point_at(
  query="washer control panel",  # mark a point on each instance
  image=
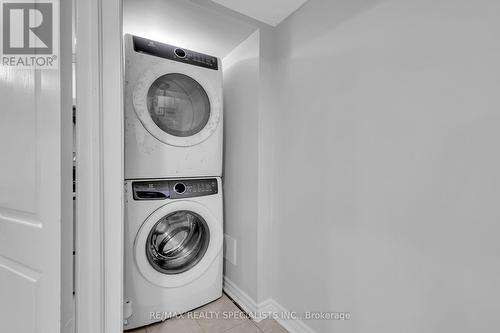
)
(143, 45)
(174, 189)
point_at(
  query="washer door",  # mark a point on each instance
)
(177, 243)
(179, 109)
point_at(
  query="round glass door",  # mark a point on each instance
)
(177, 242)
(178, 105)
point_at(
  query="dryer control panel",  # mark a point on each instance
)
(143, 45)
(174, 189)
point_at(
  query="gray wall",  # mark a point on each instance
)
(241, 123)
(386, 180)
(248, 168)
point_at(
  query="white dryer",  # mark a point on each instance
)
(173, 111)
(173, 247)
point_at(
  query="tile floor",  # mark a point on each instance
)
(197, 321)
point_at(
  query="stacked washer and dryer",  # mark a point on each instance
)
(173, 190)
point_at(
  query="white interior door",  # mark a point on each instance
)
(35, 193)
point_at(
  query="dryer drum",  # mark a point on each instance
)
(178, 105)
(177, 242)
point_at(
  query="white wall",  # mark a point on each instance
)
(241, 105)
(188, 24)
(266, 182)
(386, 179)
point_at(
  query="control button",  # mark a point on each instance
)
(180, 188)
(180, 53)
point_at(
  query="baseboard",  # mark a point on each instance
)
(291, 325)
(269, 306)
(246, 302)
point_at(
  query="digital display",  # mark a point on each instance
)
(143, 45)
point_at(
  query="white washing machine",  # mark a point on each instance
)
(173, 111)
(173, 247)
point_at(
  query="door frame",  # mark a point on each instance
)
(99, 146)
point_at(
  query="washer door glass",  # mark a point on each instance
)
(177, 242)
(178, 105)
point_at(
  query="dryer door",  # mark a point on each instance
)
(177, 243)
(180, 109)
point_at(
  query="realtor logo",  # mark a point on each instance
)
(27, 28)
(28, 34)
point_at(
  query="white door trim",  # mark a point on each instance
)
(99, 141)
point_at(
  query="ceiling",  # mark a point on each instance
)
(185, 24)
(271, 12)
